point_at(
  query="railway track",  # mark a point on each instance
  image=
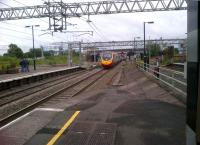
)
(75, 90)
(11, 96)
(23, 88)
(176, 67)
(73, 86)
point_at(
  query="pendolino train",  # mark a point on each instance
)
(109, 59)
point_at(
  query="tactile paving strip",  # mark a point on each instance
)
(72, 138)
(104, 134)
(78, 134)
(89, 133)
(85, 127)
(108, 128)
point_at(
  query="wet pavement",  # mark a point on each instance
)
(137, 112)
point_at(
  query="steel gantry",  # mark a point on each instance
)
(65, 10)
(138, 43)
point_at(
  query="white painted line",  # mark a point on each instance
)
(37, 74)
(25, 115)
(49, 109)
(18, 119)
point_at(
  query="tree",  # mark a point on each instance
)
(169, 52)
(38, 52)
(49, 53)
(176, 51)
(14, 51)
(30, 54)
(154, 49)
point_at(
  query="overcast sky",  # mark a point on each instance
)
(168, 24)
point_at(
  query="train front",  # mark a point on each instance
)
(107, 59)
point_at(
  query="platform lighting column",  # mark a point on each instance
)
(94, 53)
(134, 42)
(80, 55)
(145, 57)
(34, 55)
(69, 55)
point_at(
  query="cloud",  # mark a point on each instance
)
(167, 24)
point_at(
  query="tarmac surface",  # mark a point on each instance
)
(138, 111)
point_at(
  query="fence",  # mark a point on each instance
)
(171, 78)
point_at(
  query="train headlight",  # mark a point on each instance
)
(106, 62)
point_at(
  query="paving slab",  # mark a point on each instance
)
(22, 129)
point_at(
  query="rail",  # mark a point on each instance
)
(171, 78)
(47, 96)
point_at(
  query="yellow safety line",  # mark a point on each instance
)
(67, 124)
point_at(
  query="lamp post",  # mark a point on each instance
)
(145, 57)
(134, 42)
(34, 56)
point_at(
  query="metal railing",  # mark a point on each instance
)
(171, 78)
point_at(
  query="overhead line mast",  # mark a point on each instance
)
(61, 9)
(122, 43)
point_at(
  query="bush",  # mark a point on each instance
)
(166, 61)
(154, 49)
(8, 62)
(3, 67)
(51, 62)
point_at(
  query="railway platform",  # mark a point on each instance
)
(40, 69)
(136, 110)
(11, 80)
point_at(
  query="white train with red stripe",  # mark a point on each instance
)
(109, 59)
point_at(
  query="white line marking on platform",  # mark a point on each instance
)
(25, 115)
(18, 119)
(37, 74)
(49, 109)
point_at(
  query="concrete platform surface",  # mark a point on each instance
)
(39, 69)
(21, 130)
(138, 113)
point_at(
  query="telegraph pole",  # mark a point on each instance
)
(135, 43)
(69, 55)
(80, 55)
(34, 55)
